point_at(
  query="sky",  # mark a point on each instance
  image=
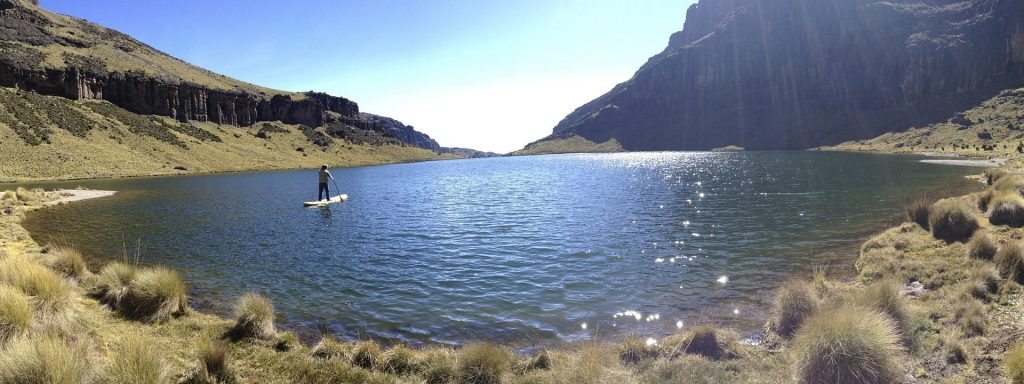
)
(487, 75)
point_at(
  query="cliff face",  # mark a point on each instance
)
(804, 73)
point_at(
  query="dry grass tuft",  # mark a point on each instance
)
(329, 348)
(1010, 260)
(113, 282)
(254, 317)
(154, 294)
(970, 314)
(1007, 209)
(956, 352)
(50, 292)
(984, 280)
(918, 210)
(400, 361)
(981, 246)
(848, 345)
(139, 361)
(368, 355)
(483, 363)
(1013, 364)
(884, 296)
(438, 367)
(794, 303)
(952, 221)
(214, 364)
(15, 313)
(44, 360)
(66, 261)
(635, 349)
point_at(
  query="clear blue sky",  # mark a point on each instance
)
(489, 75)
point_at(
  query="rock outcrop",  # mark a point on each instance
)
(393, 128)
(775, 74)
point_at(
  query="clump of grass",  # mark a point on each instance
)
(992, 175)
(483, 363)
(917, 211)
(26, 195)
(970, 314)
(794, 303)
(984, 199)
(541, 361)
(8, 195)
(884, 296)
(956, 352)
(981, 246)
(848, 345)
(1013, 364)
(437, 367)
(400, 361)
(66, 261)
(984, 279)
(368, 355)
(15, 313)
(113, 282)
(44, 360)
(702, 340)
(154, 294)
(139, 361)
(952, 221)
(50, 292)
(1007, 209)
(254, 317)
(1010, 260)
(214, 363)
(329, 348)
(635, 349)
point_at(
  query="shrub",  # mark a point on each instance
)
(794, 303)
(951, 221)
(970, 314)
(44, 360)
(1013, 364)
(884, 296)
(984, 279)
(1007, 209)
(848, 345)
(1010, 260)
(154, 294)
(635, 349)
(67, 261)
(367, 355)
(400, 360)
(981, 246)
(917, 211)
(113, 282)
(15, 313)
(483, 363)
(138, 361)
(50, 292)
(254, 317)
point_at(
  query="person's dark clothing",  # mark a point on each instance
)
(323, 192)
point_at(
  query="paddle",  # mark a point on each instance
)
(336, 187)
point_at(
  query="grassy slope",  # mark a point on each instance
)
(572, 144)
(111, 149)
(1002, 117)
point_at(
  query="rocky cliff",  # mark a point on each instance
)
(393, 128)
(801, 73)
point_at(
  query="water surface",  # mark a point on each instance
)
(532, 250)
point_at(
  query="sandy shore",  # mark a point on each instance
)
(986, 163)
(70, 195)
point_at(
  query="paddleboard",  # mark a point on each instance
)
(335, 199)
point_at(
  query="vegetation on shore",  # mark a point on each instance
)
(571, 144)
(925, 306)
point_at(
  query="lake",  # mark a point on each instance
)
(530, 251)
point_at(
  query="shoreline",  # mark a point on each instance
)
(284, 358)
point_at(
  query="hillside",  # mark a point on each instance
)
(993, 128)
(80, 100)
(778, 74)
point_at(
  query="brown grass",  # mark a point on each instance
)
(1010, 260)
(15, 313)
(1013, 363)
(483, 363)
(981, 246)
(254, 317)
(848, 345)
(952, 220)
(794, 303)
(154, 294)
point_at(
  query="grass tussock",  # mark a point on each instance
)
(483, 363)
(112, 283)
(984, 280)
(703, 340)
(254, 317)
(884, 296)
(1013, 364)
(1010, 261)
(971, 316)
(981, 246)
(954, 349)
(44, 360)
(985, 199)
(794, 303)
(400, 360)
(49, 292)
(438, 366)
(368, 355)
(952, 221)
(329, 348)
(848, 345)
(138, 361)
(214, 364)
(66, 261)
(635, 349)
(154, 294)
(992, 175)
(15, 313)
(1007, 209)
(918, 210)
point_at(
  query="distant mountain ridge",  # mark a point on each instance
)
(778, 74)
(58, 55)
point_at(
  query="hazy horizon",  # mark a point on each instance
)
(487, 76)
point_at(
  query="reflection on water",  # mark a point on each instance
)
(532, 249)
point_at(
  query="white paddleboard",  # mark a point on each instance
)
(335, 199)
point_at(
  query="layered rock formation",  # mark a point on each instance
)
(774, 74)
(393, 128)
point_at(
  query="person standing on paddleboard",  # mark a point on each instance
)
(324, 176)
